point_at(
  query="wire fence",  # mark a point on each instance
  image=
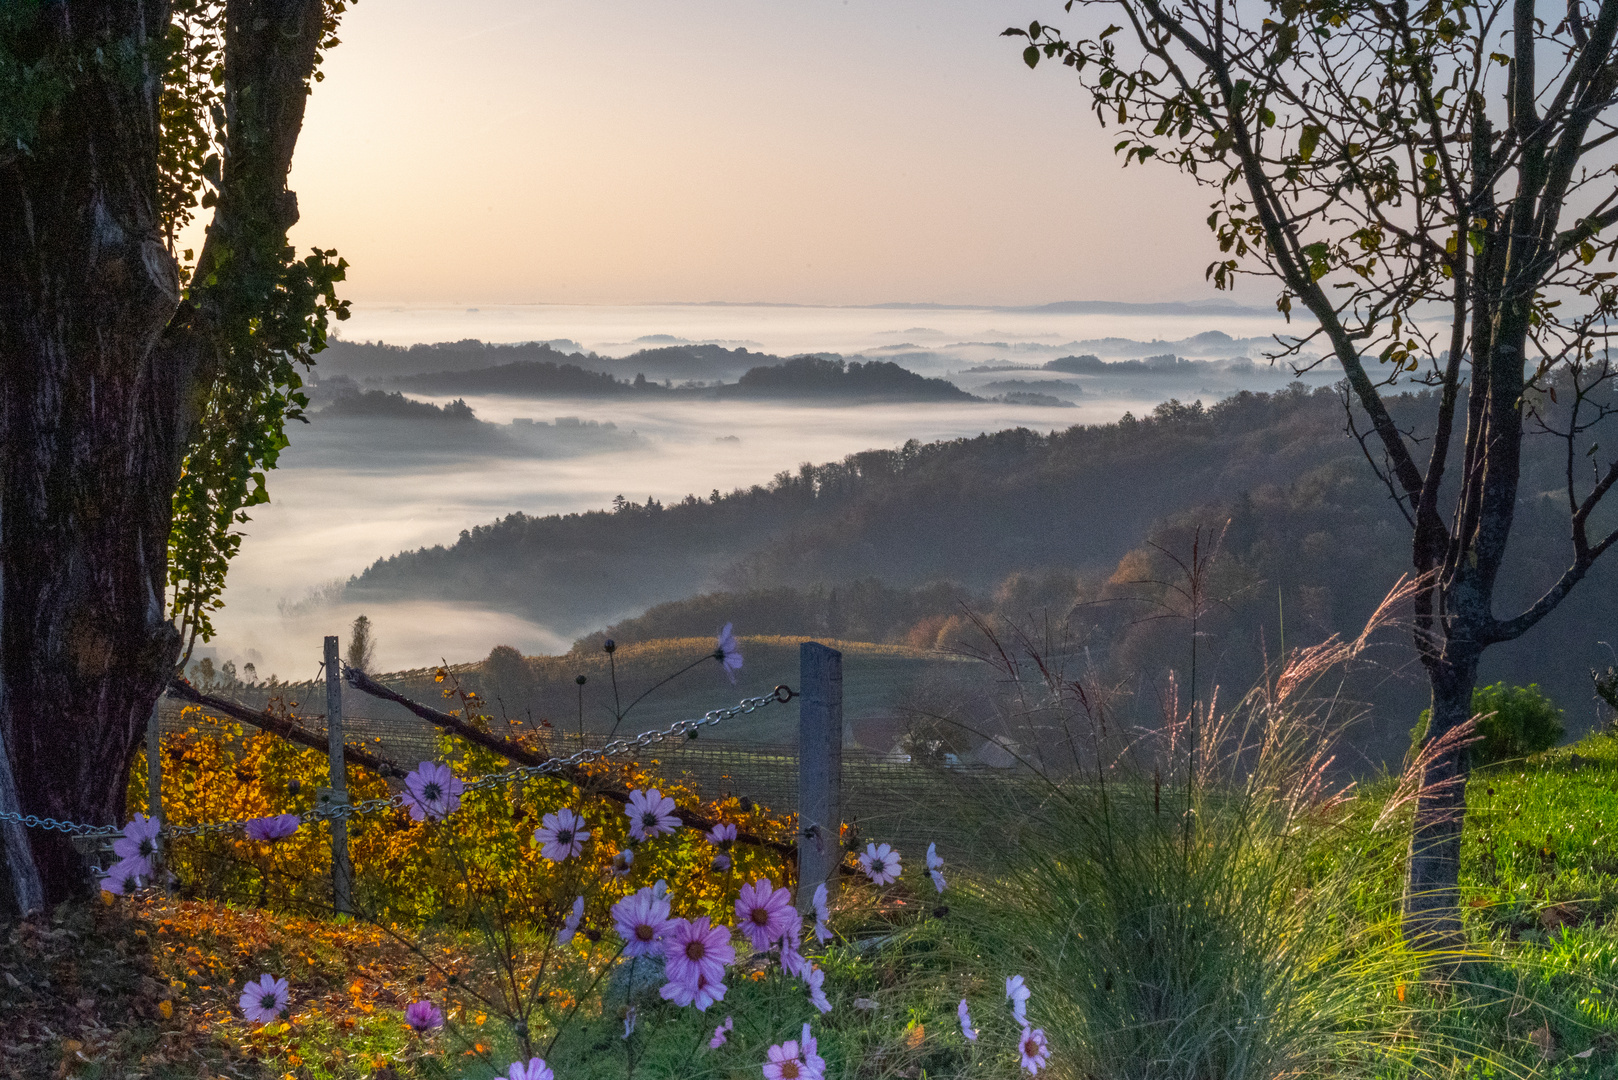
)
(890, 797)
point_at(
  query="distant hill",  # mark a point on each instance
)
(814, 376)
(1166, 364)
(1073, 526)
(678, 363)
(798, 378)
(522, 378)
(380, 403)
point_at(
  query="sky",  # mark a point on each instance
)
(796, 151)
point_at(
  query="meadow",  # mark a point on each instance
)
(1238, 920)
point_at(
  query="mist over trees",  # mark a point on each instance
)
(895, 545)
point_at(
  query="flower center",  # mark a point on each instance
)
(789, 1070)
(649, 819)
(761, 917)
(644, 932)
(695, 950)
(268, 1002)
(1030, 1048)
(877, 867)
(432, 792)
(565, 836)
(147, 847)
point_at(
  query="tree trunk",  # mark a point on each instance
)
(1432, 899)
(88, 435)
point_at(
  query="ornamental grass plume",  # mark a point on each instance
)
(1184, 897)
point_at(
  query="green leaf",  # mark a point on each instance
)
(1308, 140)
(1108, 32)
(1030, 56)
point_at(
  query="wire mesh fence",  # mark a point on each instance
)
(888, 796)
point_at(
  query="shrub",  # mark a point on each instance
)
(1513, 722)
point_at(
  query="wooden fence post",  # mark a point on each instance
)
(820, 767)
(342, 871)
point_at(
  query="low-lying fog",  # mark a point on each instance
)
(350, 491)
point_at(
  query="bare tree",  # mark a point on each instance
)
(1434, 184)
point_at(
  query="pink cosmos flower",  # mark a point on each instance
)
(651, 814)
(1017, 993)
(696, 989)
(267, 830)
(264, 1000)
(432, 791)
(881, 864)
(691, 945)
(729, 654)
(721, 861)
(622, 863)
(722, 834)
(126, 875)
(810, 1048)
(967, 1029)
(719, 1034)
(561, 835)
(139, 840)
(785, 1064)
(570, 925)
(793, 962)
(935, 867)
(536, 1069)
(816, 981)
(641, 920)
(423, 1016)
(1034, 1049)
(822, 914)
(761, 913)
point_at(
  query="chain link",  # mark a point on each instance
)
(344, 811)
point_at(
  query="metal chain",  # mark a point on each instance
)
(344, 811)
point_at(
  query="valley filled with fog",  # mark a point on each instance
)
(367, 480)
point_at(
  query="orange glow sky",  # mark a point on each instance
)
(807, 151)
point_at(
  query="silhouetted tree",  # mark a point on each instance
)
(1386, 161)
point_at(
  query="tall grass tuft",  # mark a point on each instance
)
(1184, 898)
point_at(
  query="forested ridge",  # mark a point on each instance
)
(894, 545)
